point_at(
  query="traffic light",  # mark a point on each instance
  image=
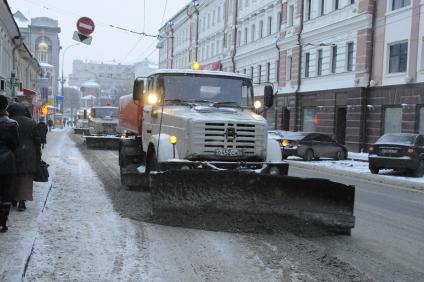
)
(44, 110)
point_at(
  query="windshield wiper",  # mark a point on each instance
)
(226, 104)
(200, 101)
(177, 101)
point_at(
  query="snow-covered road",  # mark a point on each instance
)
(89, 228)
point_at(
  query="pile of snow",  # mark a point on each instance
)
(358, 156)
(357, 168)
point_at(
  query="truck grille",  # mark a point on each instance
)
(107, 128)
(211, 136)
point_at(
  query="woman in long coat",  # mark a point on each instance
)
(8, 144)
(27, 155)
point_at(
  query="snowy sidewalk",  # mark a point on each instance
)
(70, 231)
(363, 157)
(17, 243)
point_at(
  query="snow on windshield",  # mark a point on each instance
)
(214, 89)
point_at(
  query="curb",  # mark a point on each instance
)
(380, 179)
(357, 160)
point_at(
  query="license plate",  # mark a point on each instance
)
(228, 152)
(389, 151)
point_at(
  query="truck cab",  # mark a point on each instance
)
(103, 120)
(208, 115)
(197, 119)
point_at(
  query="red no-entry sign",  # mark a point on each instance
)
(85, 26)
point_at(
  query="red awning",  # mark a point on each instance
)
(29, 92)
(213, 66)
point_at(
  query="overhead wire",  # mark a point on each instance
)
(162, 20)
(69, 13)
(139, 40)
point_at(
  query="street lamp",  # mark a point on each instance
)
(62, 82)
(63, 63)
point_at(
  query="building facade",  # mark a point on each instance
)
(71, 100)
(144, 68)
(41, 35)
(114, 80)
(19, 69)
(353, 69)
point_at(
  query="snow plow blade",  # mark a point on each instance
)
(82, 131)
(292, 203)
(102, 142)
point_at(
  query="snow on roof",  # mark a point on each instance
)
(46, 65)
(90, 83)
(200, 72)
(89, 97)
(20, 19)
(21, 23)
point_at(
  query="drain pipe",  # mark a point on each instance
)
(14, 71)
(172, 44)
(299, 71)
(367, 90)
(277, 73)
(234, 43)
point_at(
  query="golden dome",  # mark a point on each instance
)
(42, 46)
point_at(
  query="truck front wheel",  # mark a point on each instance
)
(152, 161)
(131, 157)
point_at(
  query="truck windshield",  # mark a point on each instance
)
(105, 112)
(213, 89)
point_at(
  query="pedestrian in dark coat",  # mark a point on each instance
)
(42, 131)
(9, 141)
(50, 124)
(27, 155)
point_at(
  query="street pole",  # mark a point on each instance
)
(62, 82)
(197, 30)
(14, 71)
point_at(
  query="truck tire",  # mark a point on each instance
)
(151, 160)
(131, 156)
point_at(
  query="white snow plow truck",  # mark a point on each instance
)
(103, 127)
(194, 141)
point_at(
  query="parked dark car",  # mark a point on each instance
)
(310, 146)
(399, 151)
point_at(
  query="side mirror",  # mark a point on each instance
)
(138, 89)
(268, 96)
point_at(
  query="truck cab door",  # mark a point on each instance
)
(147, 125)
(151, 114)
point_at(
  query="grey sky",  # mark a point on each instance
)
(108, 44)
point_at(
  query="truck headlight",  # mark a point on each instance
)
(257, 104)
(152, 99)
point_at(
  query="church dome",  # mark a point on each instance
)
(42, 46)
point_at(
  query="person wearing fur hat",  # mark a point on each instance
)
(27, 154)
(9, 141)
